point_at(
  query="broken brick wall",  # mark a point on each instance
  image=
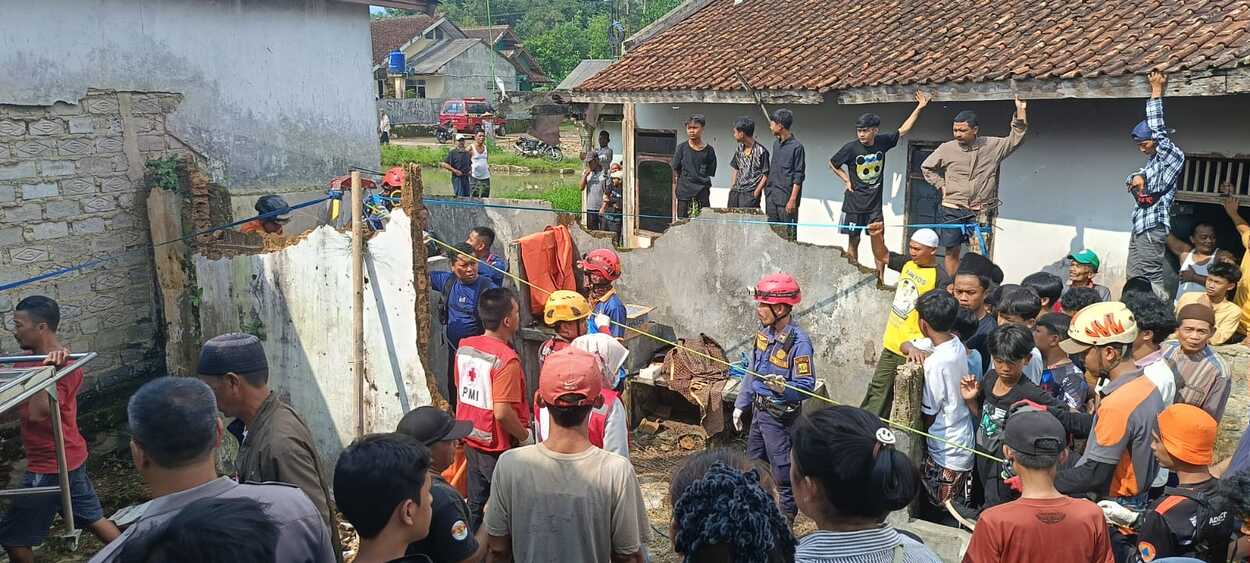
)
(72, 189)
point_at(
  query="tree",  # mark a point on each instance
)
(391, 13)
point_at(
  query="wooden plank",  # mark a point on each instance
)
(358, 303)
(629, 203)
(175, 281)
(411, 198)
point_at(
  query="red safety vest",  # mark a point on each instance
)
(478, 360)
(597, 424)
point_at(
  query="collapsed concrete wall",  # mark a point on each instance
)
(297, 299)
(696, 276)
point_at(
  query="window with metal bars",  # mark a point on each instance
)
(1205, 176)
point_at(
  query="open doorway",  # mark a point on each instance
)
(923, 202)
(655, 178)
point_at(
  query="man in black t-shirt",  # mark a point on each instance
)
(458, 163)
(694, 164)
(864, 159)
(451, 537)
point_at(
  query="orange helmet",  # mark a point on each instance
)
(394, 177)
(603, 262)
(778, 289)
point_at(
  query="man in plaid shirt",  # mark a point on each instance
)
(1153, 188)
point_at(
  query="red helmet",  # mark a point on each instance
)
(603, 262)
(394, 177)
(778, 289)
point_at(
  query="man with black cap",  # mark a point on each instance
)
(861, 205)
(1152, 188)
(1043, 524)
(273, 211)
(274, 442)
(451, 539)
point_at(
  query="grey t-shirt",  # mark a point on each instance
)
(594, 191)
(589, 501)
(302, 534)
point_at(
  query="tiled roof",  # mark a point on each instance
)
(823, 45)
(391, 33)
(488, 34)
(432, 59)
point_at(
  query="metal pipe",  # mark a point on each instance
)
(82, 359)
(62, 466)
(39, 358)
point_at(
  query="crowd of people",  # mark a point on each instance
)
(1061, 422)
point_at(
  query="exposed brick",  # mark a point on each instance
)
(90, 225)
(11, 236)
(49, 230)
(145, 103)
(99, 204)
(100, 104)
(75, 147)
(29, 255)
(81, 125)
(96, 165)
(27, 112)
(77, 186)
(46, 127)
(27, 213)
(108, 144)
(151, 142)
(62, 108)
(115, 184)
(19, 170)
(89, 325)
(34, 148)
(10, 128)
(56, 167)
(103, 302)
(63, 209)
(8, 194)
(37, 191)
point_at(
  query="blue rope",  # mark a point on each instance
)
(979, 229)
(98, 261)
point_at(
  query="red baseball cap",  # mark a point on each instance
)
(571, 371)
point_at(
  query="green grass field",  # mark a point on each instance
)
(396, 155)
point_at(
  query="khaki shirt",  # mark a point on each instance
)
(302, 536)
(967, 175)
(278, 447)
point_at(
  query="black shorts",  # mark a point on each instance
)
(859, 220)
(951, 237)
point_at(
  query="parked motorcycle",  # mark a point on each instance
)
(530, 146)
(444, 133)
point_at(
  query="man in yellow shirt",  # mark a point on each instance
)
(1242, 298)
(917, 276)
(1221, 278)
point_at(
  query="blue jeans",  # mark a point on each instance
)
(460, 185)
(27, 521)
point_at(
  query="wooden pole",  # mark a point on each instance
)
(629, 199)
(358, 301)
(411, 201)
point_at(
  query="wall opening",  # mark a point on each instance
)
(923, 202)
(657, 203)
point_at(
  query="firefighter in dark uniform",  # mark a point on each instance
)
(781, 364)
(1188, 521)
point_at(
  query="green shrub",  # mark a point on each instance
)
(563, 197)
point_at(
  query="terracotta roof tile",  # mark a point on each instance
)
(824, 45)
(391, 33)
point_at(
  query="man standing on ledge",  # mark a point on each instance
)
(965, 171)
(1153, 188)
(786, 172)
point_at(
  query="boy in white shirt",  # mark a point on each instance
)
(948, 462)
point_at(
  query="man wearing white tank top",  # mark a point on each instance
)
(1195, 257)
(479, 173)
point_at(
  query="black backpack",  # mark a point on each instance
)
(1213, 529)
(444, 309)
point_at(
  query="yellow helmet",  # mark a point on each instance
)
(565, 305)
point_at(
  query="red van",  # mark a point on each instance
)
(464, 115)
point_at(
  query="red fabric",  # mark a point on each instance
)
(548, 261)
(475, 352)
(599, 417)
(37, 436)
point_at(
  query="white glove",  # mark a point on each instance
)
(529, 438)
(603, 323)
(738, 419)
(1117, 514)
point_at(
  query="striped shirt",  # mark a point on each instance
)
(876, 545)
(1205, 376)
(1161, 173)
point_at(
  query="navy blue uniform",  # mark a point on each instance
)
(788, 355)
(485, 270)
(461, 311)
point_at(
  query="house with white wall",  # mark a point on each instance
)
(1081, 65)
(441, 60)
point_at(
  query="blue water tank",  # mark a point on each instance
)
(395, 62)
